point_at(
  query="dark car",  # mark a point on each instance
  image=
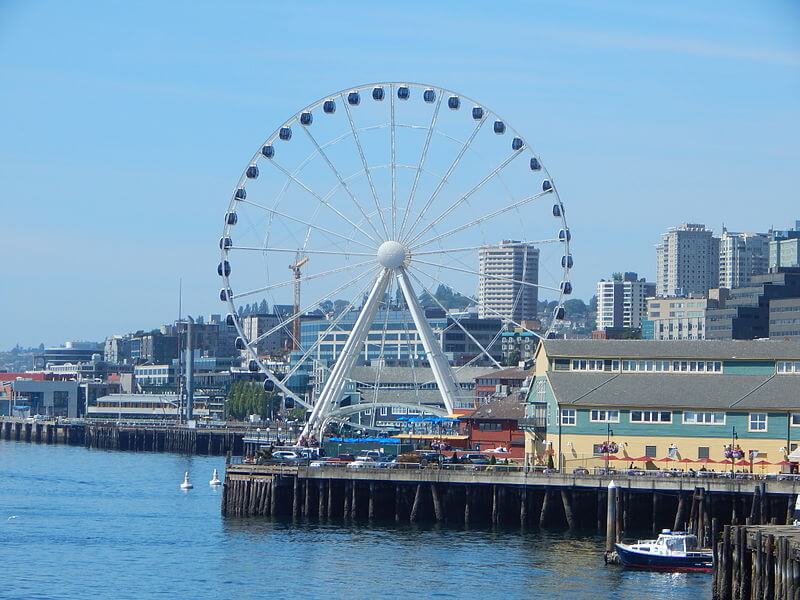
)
(430, 457)
(475, 458)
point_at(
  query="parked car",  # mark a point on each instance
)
(580, 471)
(427, 457)
(475, 458)
(286, 457)
(363, 462)
(330, 461)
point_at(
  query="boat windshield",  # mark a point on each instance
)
(691, 542)
(676, 544)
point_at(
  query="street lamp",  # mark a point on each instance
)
(734, 437)
(609, 433)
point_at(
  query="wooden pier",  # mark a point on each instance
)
(757, 562)
(134, 438)
(503, 496)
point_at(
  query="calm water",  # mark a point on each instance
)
(97, 524)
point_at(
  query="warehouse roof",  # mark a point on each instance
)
(416, 375)
(659, 390)
(701, 349)
(505, 408)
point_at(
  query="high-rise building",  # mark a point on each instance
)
(687, 261)
(254, 326)
(622, 301)
(507, 281)
(784, 249)
(741, 256)
(678, 318)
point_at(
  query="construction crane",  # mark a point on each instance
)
(295, 267)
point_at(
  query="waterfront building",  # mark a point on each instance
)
(31, 397)
(403, 386)
(745, 314)
(149, 406)
(499, 384)
(784, 248)
(622, 301)
(498, 295)
(741, 256)
(678, 318)
(659, 400)
(495, 424)
(518, 346)
(687, 261)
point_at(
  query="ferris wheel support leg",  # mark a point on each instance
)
(442, 372)
(332, 390)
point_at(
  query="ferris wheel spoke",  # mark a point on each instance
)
(296, 250)
(322, 200)
(450, 250)
(381, 352)
(365, 164)
(342, 180)
(307, 308)
(464, 197)
(331, 328)
(485, 276)
(288, 282)
(498, 314)
(482, 219)
(456, 321)
(421, 164)
(283, 215)
(393, 161)
(464, 147)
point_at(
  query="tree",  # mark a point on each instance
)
(513, 359)
(339, 306)
(263, 308)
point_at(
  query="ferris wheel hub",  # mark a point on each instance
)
(391, 254)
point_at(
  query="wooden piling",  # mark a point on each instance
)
(566, 500)
(438, 510)
(611, 517)
(415, 507)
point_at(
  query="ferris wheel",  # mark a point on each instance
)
(383, 200)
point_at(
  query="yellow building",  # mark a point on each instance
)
(664, 404)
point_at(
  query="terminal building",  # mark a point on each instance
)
(659, 402)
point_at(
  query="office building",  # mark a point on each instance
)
(622, 301)
(746, 313)
(741, 256)
(259, 324)
(784, 317)
(784, 248)
(508, 276)
(679, 318)
(687, 261)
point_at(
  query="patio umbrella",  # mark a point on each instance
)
(642, 459)
(743, 463)
(611, 457)
(762, 462)
(686, 461)
(666, 459)
(784, 463)
(707, 461)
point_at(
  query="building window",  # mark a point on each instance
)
(568, 416)
(384, 411)
(650, 451)
(703, 418)
(651, 416)
(758, 421)
(540, 390)
(702, 452)
(490, 427)
(795, 419)
(604, 416)
(786, 366)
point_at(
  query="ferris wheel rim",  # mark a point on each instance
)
(295, 120)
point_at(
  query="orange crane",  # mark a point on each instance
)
(295, 268)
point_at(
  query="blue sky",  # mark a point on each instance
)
(125, 126)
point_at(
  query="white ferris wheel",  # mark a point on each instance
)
(374, 197)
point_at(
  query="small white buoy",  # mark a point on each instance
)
(186, 485)
(215, 479)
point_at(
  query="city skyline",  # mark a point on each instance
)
(163, 143)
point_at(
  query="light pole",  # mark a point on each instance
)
(734, 437)
(609, 433)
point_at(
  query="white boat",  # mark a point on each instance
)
(672, 551)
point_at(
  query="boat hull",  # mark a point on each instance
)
(691, 562)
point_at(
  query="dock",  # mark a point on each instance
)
(757, 562)
(125, 437)
(462, 494)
